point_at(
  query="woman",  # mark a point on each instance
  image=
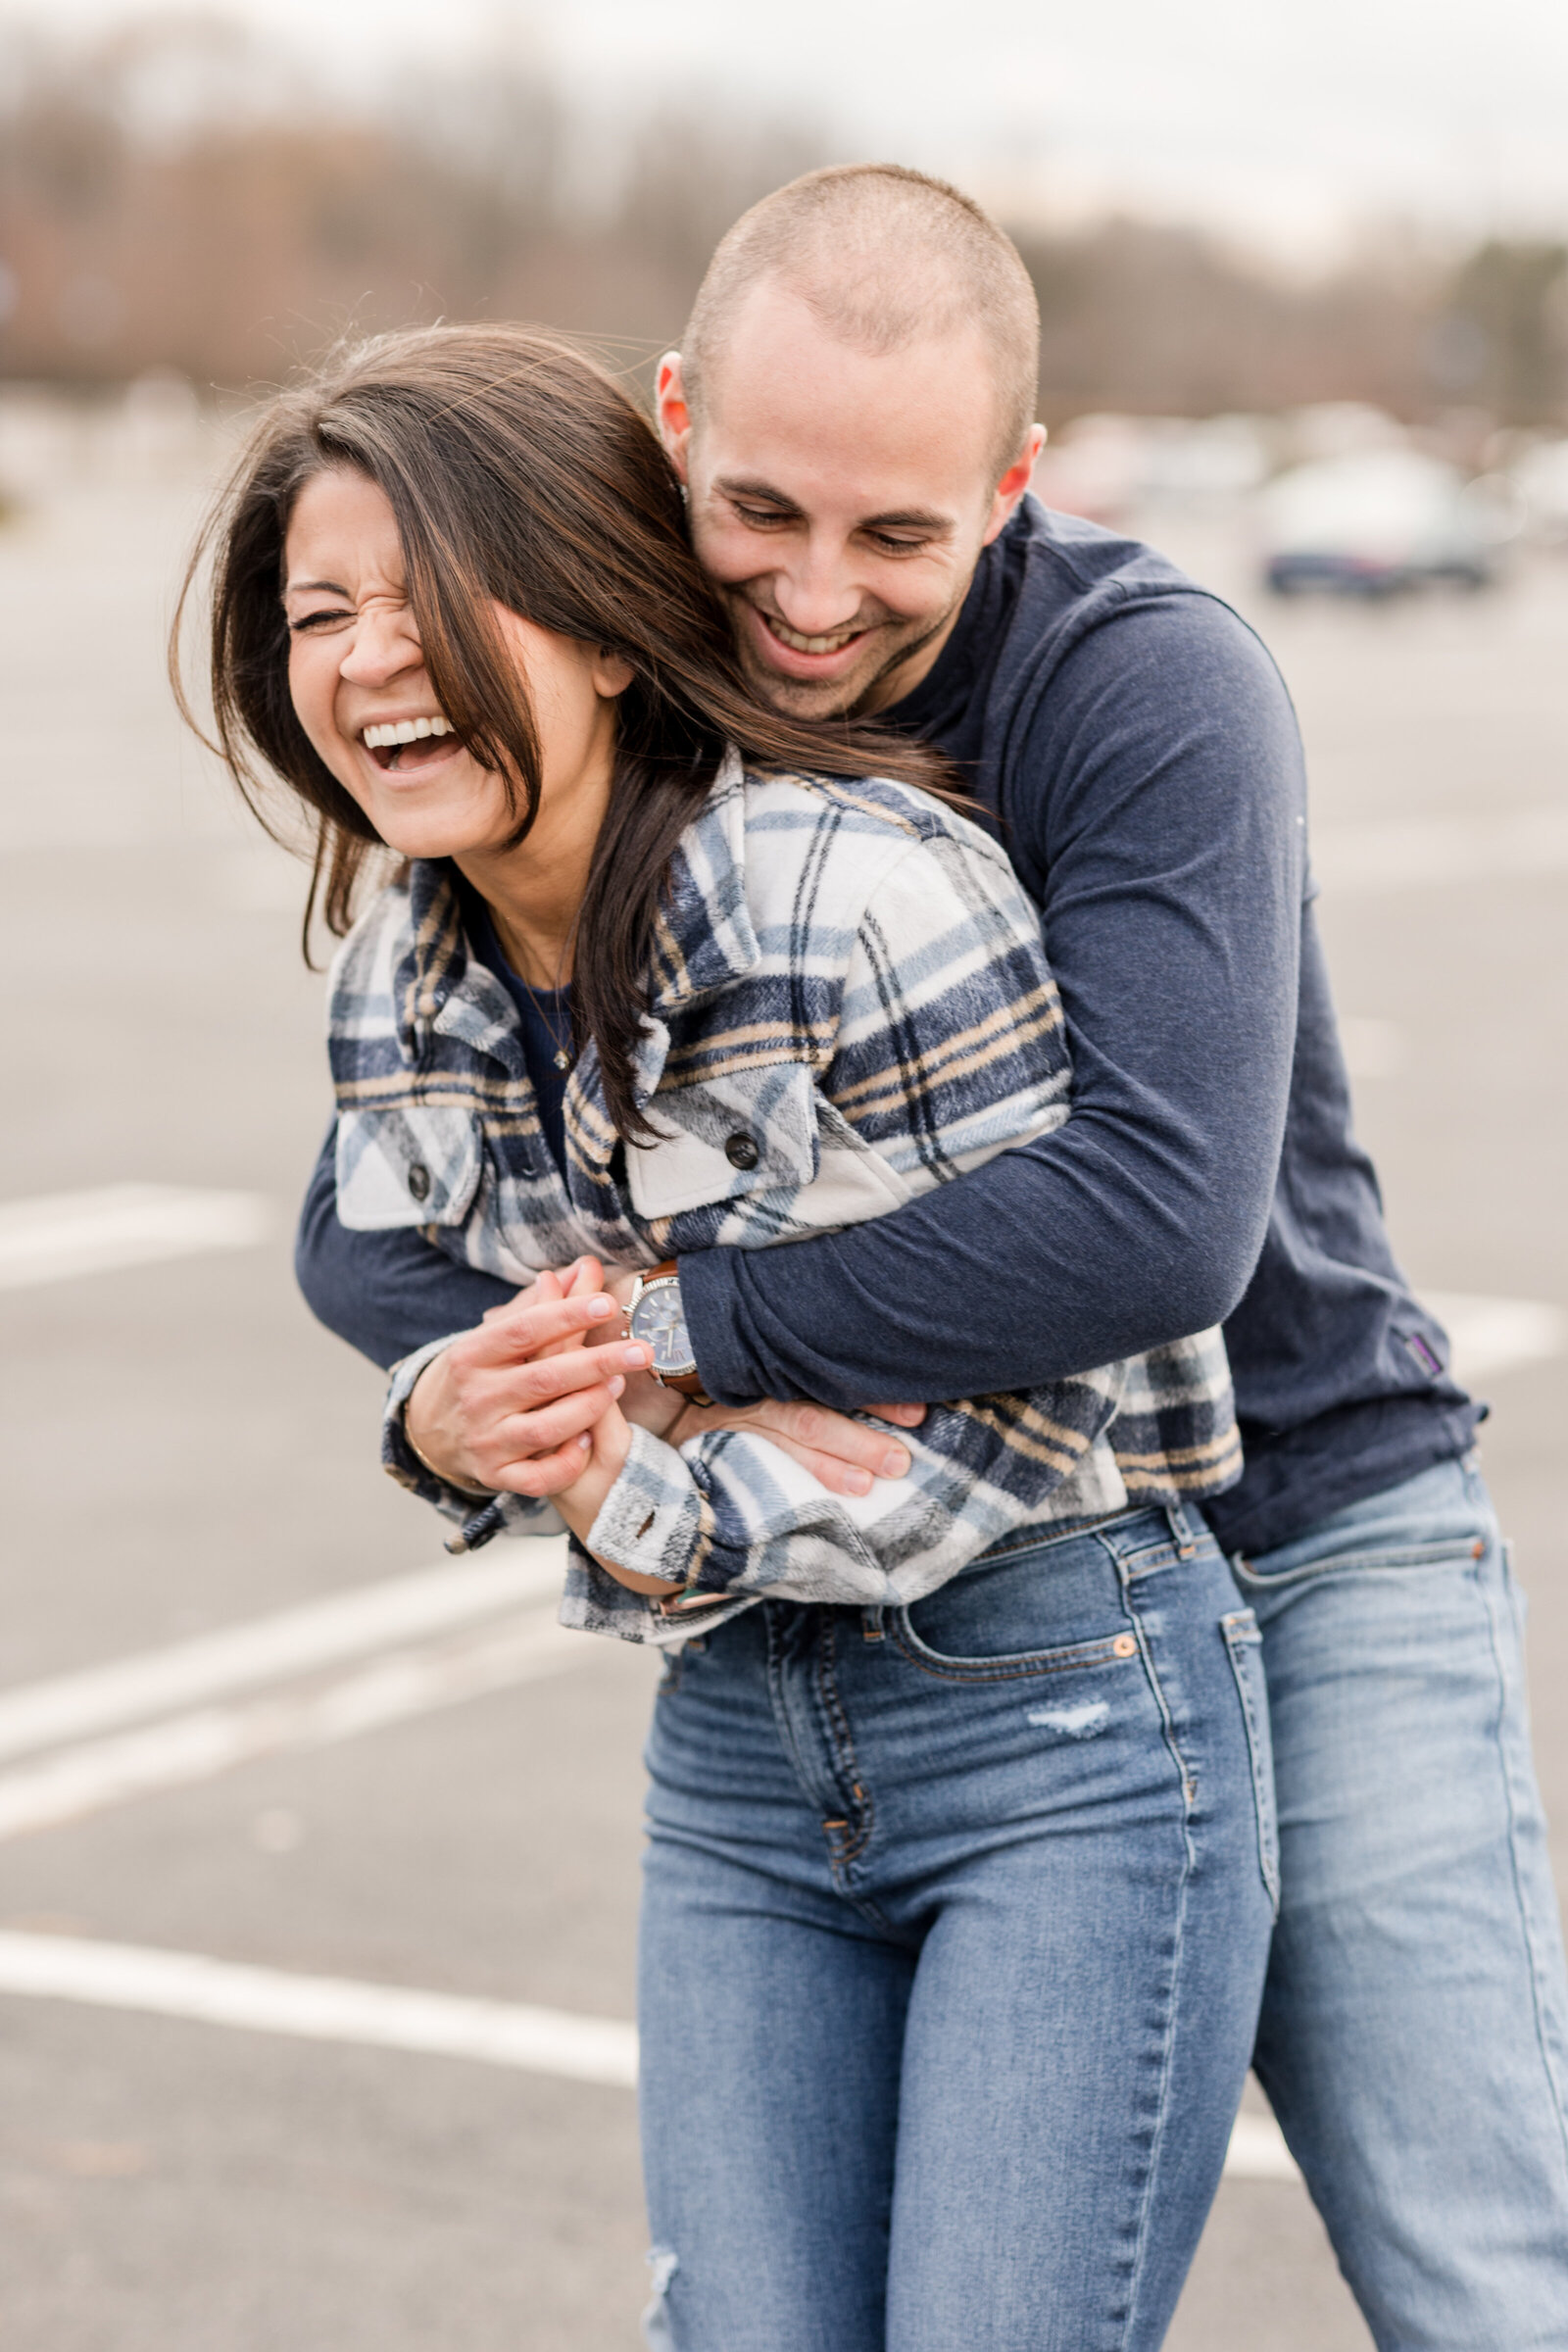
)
(957, 1889)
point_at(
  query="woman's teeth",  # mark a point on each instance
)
(809, 645)
(404, 731)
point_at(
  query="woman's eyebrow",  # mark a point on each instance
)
(306, 587)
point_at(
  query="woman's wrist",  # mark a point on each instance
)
(422, 1430)
(582, 1503)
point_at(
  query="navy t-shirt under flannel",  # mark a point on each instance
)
(545, 1016)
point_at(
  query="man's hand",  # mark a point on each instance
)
(842, 1454)
(494, 1411)
(507, 1407)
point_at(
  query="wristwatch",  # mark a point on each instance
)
(656, 1317)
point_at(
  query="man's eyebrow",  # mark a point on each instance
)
(736, 485)
(309, 587)
(909, 518)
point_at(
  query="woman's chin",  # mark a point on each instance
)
(412, 839)
(429, 822)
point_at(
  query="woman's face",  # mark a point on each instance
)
(359, 684)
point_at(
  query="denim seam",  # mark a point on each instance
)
(836, 1723)
(1022, 1667)
(1071, 1534)
(1446, 1554)
(784, 1713)
(1542, 2040)
(1140, 2250)
(1236, 1629)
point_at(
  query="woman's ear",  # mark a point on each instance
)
(611, 671)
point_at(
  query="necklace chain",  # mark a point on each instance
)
(562, 1057)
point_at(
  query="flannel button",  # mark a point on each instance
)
(741, 1152)
(419, 1181)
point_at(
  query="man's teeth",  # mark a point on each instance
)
(404, 731)
(809, 645)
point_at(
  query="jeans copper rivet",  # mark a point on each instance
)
(1124, 1646)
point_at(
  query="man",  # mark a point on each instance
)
(851, 412)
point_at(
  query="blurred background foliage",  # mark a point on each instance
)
(181, 195)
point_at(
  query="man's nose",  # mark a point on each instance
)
(385, 644)
(815, 588)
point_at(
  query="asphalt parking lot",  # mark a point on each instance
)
(240, 1724)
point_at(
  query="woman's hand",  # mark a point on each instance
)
(502, 1406)
(507, 1407)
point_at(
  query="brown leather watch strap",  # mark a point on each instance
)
(687, 1384)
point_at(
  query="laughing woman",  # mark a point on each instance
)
(956, 1903)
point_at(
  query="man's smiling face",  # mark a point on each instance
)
(840, 499)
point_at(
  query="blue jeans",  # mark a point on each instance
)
(954, 1924)
(1414, 2036)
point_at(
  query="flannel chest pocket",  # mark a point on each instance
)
(408, 1164)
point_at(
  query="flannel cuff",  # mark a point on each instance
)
(655, 1519)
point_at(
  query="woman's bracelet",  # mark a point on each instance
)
(480, 1493)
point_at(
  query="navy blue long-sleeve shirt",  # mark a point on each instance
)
(1134, 747)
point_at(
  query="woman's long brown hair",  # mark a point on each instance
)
(519, 472)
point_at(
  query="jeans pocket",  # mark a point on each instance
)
(1245, 1645)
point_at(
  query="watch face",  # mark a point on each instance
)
(657, 1321)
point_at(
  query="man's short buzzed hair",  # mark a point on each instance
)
(884, 257)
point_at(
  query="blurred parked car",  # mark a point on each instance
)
(1093, 467)
(1381, 520)
(1108, 468)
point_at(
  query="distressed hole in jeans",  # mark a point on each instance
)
(662, 2264)
(1074, 1723)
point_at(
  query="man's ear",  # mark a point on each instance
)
(674, 417)
(1014, 482)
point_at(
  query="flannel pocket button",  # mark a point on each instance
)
(741, 1152)
(419, 1181)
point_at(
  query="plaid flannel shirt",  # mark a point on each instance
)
(850, 1003)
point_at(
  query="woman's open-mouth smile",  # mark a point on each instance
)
(408, 746)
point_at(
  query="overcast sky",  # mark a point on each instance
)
(1274, 118)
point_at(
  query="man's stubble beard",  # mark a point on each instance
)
(797, 697)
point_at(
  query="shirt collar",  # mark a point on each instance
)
(702, 942)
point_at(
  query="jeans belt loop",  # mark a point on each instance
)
(1179, 1521)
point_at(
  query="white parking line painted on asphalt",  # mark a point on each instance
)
(75, 1782)
(439, 2025)
(266, 2000)
(299, 1640)
(1494, 1335)
(1418, 853)
(60, 1235)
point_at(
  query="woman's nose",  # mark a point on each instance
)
(385, 644)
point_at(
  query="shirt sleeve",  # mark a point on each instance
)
(388, 1294)
(1157, 816)
(950, 1049)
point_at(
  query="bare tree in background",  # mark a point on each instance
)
(182, 196)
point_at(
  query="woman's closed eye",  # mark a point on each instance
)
(303, 622)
